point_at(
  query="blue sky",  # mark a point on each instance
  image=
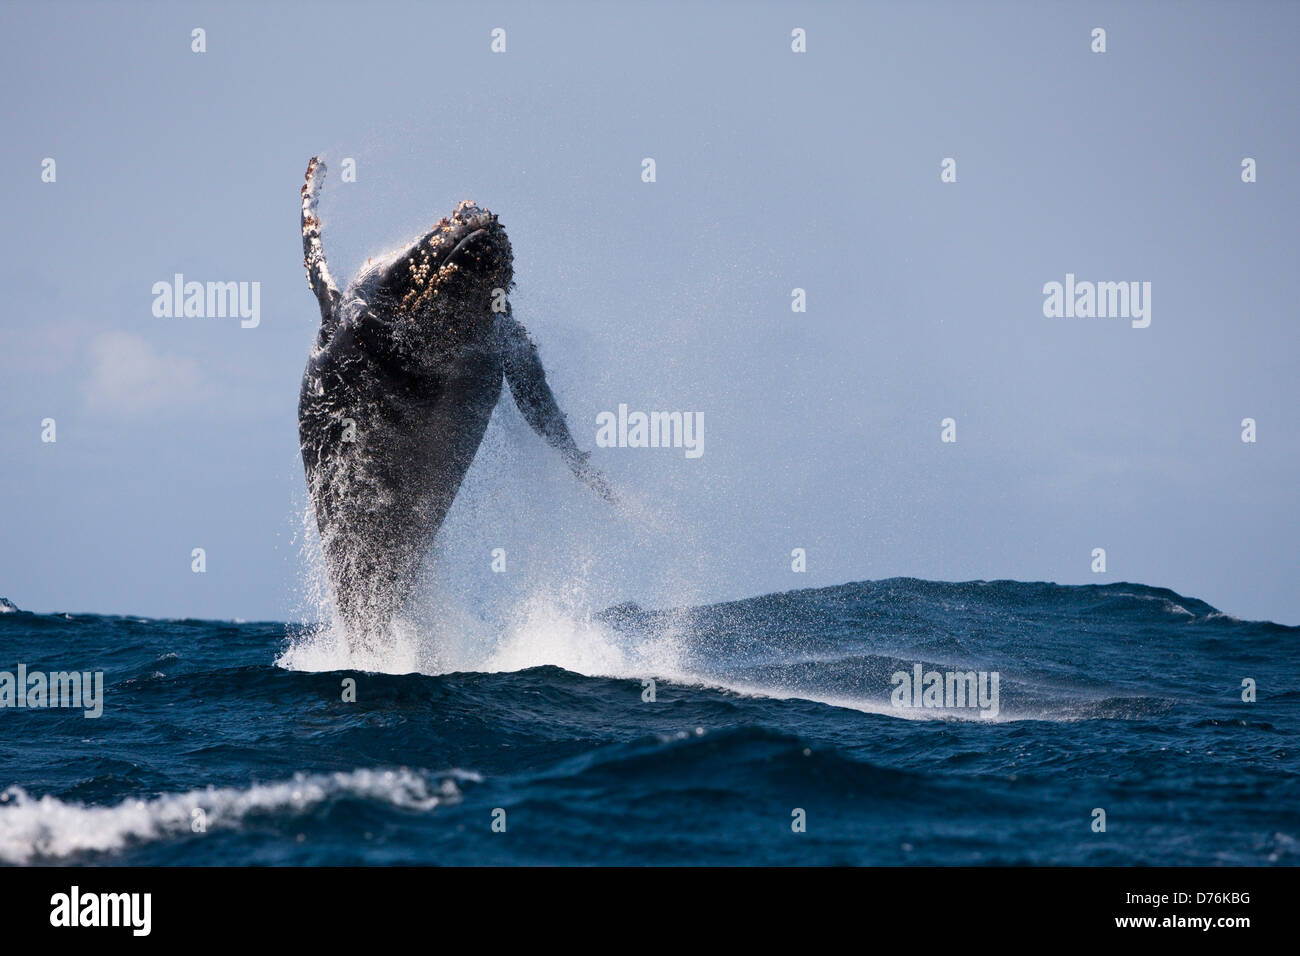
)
(775, 171)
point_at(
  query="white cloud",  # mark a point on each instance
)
(128, 377)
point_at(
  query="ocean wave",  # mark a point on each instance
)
(35, 829)
(698, 651)
(1110, 695)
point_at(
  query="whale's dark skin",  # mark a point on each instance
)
(403, 377)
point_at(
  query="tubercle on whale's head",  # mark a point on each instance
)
(465, 259)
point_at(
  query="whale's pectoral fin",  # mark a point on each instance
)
(313, 252)
(527, 380)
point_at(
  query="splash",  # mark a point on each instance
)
(539, 633)
(328, 647)
(546, 633)
(568, 558)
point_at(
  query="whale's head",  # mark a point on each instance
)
(458, 269)
(441, 292)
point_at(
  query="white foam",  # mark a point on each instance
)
(546, 633)
(1165, 603)
(327, 648)
(48, 828)
(540, 632)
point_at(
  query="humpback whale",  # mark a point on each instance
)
(403, 376)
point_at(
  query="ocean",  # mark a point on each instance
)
(778, 730)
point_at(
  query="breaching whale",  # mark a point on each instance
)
(404, 374)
